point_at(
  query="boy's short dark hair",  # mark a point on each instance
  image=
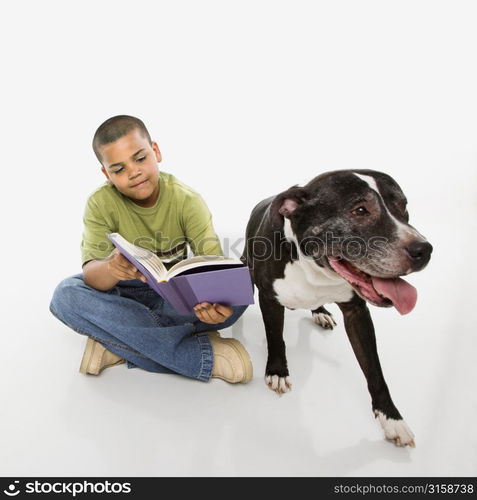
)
(116, 127)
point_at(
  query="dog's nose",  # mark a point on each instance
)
(420, 253)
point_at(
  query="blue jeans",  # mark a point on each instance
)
(133, 321)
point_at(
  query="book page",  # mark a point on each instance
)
(201, 261)
(144, 256)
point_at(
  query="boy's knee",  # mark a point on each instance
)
(237, 311)
(65, 295)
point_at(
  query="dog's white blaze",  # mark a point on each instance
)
(306, 285)
(403, 230)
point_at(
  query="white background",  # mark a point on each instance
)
(245, 99)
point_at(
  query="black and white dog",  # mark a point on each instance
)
(344, 238)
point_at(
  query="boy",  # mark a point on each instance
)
(124, 319)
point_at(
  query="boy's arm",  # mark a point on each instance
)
(203, 240)
(103, 265)
(96, 275)
(212, 313)
(199, 229)
(104, 274)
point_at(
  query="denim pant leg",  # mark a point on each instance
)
(124, 324)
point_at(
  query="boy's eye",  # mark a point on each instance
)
(141, 159)
(118, 170)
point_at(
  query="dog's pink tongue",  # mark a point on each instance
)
(399, 292)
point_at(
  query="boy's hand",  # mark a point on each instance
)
(120, 268)
(212, 313)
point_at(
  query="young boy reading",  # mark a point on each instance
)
(110, 302)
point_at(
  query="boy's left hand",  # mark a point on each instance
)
(212, 313)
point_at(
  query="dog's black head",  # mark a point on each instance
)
(355, 222)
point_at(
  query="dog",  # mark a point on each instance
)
(345, 238)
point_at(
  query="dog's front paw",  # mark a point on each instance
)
(396, 430)
(278, 384)
(323, 318)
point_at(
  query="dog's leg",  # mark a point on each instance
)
(360, 331)
(276, 372)
(323, 318)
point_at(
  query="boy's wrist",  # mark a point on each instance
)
(97, 274)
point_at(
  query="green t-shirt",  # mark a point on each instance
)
(179, 217)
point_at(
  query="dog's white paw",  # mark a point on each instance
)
(396, 430)
(278, 384)
(324, 320)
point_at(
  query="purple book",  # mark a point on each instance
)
(208, 278)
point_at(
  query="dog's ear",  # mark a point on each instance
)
(284, 204)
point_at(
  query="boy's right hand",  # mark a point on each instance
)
(121, 269)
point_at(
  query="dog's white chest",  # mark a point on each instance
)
(308, 286)
(304, 287)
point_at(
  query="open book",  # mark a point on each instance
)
(204, 278)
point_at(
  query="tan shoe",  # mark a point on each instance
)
(231, 360)
(96, 358)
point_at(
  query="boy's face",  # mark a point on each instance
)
(130, 164)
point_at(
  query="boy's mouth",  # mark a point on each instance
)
(140, 184)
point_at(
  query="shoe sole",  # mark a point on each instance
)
(246, 361)
(88, 357)
(243, 355)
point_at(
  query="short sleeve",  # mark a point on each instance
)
(95, 244)
(198, 227)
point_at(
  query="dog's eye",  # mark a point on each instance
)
(360, 211)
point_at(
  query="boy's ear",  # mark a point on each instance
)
(284, 204)
(155, 147)
(106, 175)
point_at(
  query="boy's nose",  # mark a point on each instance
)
(134, 173)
